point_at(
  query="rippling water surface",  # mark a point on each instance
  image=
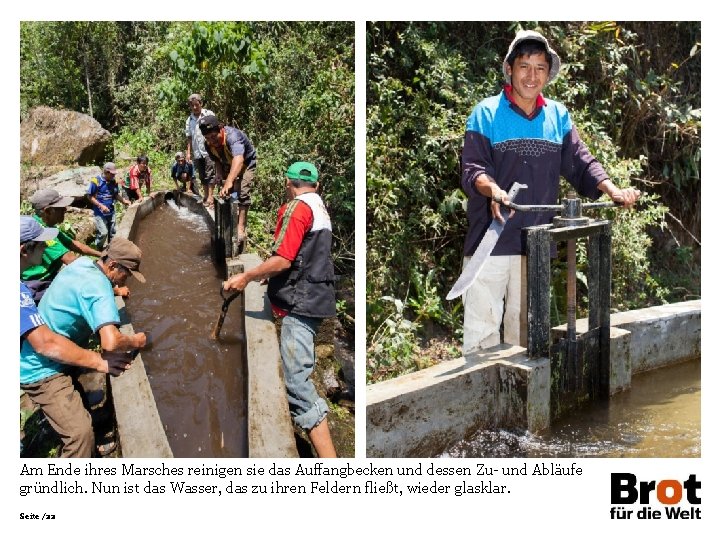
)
(658, 417)
(198, 383)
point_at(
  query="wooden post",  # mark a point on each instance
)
(233, 224)
(226, 218)
(538, 291)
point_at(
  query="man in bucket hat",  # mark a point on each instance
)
(301, 291)
(78, 303)
(50, 208)
(519, 136)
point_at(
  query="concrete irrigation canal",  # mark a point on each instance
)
(499, 402)
(189, 395)
(566, 394)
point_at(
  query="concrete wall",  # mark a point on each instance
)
(420, 414)
(661, 335)
(140, 429)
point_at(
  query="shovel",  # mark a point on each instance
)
(226, 304)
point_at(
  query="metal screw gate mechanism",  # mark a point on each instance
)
(580, 367)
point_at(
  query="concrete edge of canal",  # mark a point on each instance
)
(419, 414)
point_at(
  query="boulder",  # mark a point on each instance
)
(58, 137)
(69, 183)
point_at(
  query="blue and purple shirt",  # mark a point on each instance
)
(510, 146)
(105, 193)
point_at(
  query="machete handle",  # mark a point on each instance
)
(227, 299)
(515, 189)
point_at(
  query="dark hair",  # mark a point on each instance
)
(29, 245)
(303, 183)
(529, 47)
(142, 159)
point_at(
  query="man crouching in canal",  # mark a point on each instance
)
(301, 291)
(79, 302)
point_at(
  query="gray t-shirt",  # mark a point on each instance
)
(193, 131)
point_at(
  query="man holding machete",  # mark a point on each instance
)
(519, 136)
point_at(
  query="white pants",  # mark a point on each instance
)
(499, 294)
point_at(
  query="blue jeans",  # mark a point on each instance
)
(297, 348)
(104, 230)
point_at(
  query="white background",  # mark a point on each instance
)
(549, 507)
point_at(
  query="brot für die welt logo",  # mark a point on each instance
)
(680, 499)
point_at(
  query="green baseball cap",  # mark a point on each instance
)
(302, 170)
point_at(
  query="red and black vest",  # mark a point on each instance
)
(308, 287)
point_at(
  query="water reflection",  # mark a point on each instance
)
(659, 417)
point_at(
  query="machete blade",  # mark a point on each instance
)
(483, 251)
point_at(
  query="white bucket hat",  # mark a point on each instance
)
(524, 35)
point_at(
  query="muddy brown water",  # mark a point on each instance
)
(658, 417)
(199, 384)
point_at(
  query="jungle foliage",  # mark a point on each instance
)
(633, 90)
(289, 86)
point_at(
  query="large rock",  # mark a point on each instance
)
(69, 183)
(57, 137)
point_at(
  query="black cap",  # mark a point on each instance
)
(209, 123)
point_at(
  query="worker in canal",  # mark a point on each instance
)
(102, 193)
(235, 162)
(50, 208)
(52, 338)
(519, 136)
(301, 291)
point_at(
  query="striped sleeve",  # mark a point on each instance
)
(294, 221)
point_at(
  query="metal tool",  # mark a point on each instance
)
(226, 304)
(474, 266)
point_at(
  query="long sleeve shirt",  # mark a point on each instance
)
(504, 143)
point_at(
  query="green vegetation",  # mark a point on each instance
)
(633, 90)
(38, 439)
(289, 86)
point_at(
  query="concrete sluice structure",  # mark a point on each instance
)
(424, 413)
(269, 431)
